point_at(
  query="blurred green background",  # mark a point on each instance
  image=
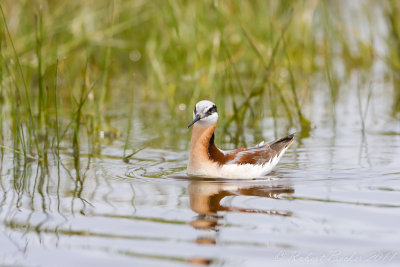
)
(66, 64)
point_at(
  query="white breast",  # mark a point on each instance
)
(234, 171)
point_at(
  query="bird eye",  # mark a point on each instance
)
(211, 110)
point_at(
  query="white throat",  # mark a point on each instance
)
(209, 120)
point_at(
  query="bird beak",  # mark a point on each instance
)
(194, 121)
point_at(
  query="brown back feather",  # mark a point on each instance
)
(252, 155)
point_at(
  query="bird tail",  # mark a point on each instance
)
(282, 143)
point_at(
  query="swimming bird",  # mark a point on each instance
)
(207, 160)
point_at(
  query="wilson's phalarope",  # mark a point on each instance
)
(207, 160)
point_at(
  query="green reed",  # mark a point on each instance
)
(129, 125)
(253, 58)
(2, 98)
(30, 126)
(393, 45)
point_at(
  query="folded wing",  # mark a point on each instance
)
(254, 155)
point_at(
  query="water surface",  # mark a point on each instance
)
(333, 199)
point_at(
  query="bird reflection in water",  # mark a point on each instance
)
(206, 197)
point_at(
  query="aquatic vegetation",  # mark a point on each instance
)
(179, 52)
(62, 71)
(393, 45)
